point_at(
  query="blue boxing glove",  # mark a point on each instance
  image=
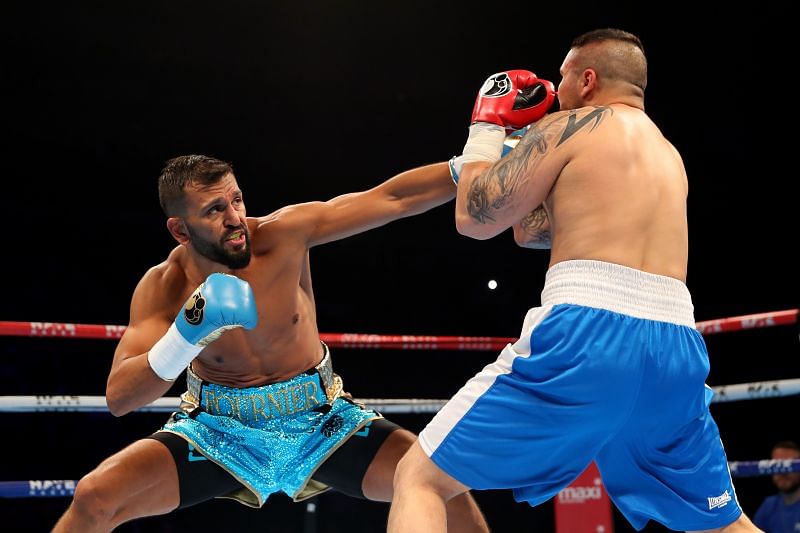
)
(220, 303)
(511, 141)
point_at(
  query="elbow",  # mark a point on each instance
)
(469, 228)
(463, 225)
(520, 237)
(534, 242)
(526, 240)
(116, 409)
(116, 404)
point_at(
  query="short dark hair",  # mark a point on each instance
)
(183, 170)
(624, 60)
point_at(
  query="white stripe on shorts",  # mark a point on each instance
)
(432, 436)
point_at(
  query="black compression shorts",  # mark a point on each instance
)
(201, 479)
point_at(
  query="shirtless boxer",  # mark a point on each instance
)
(610, 368)
(233, 306)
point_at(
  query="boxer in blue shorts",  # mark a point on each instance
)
(610, 367)
(233, 306)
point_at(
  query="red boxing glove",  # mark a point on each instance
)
(513, 99)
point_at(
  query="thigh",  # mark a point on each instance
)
(346, 470)
(198, 478)
(679, 478)
(670, 449)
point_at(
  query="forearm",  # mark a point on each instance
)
(494, 196)
(421, 188)
(472, 216)
(481, 199)
(133, 384)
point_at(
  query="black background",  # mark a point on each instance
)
(309, 100)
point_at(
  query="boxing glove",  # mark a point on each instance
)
(220, 303)
(513, 99)
(507, 101)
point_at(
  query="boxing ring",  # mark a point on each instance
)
(52, 488)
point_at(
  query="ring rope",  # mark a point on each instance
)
(738, 323)
(334, 340)
(397, 342)
(63, 488)
(763, 467)
(96, 404)
(56, 488)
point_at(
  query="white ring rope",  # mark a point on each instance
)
(95, 404)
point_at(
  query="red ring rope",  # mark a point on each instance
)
(335, 340)
(396, 342)
(738, 323)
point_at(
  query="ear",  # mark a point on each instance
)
(177, 228)
(588, 82)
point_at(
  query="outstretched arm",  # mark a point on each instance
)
(408, 193)
(533, 231)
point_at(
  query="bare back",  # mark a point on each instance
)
(614, 190)
(621, 196)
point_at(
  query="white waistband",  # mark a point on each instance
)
(619, 289)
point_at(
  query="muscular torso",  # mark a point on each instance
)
(620, 197)
(285, 342)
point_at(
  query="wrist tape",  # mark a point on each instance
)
(171, 354)
(485, 143)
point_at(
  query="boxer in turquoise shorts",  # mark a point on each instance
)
(233, 303)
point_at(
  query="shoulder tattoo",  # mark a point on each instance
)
(496, 188)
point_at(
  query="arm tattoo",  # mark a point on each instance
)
(531, 225)
(492, 190)
(496, 188)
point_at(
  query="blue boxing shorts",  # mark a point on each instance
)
(610, 368)
(272, 437)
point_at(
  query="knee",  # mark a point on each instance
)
(417, 472)
(91, 499)
(411, 468)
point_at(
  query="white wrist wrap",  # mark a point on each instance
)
(172, 354)
(485, 143)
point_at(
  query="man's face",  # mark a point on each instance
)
(216, 222)
(786, 482)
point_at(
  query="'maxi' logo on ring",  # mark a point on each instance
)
(193, 310)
